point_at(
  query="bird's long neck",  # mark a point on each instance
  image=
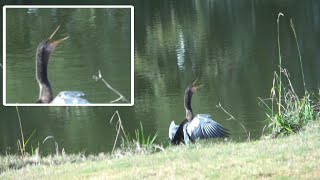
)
(45, 94)
(187, 105)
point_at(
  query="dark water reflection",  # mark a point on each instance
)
(231, 46)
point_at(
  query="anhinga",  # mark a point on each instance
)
(196, 127)
(44, 50)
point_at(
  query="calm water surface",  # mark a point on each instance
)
(99, 39)
(231, 46)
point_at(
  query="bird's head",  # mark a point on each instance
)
(193, 87)
(46, 47)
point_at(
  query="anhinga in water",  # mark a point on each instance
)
(44, 50)
(196, 127)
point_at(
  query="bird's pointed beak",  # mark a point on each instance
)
(54, 33)
(53, 45)
(195, 81)
(198, 86)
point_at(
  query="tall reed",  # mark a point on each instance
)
(23, 143)
(292, 111)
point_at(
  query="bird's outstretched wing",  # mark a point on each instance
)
(172, 130)
(203, 126)
(70, 97)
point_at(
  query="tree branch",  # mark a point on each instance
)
(121, 97)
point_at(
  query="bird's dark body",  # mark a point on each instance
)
(179, 136)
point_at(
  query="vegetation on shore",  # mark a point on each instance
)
(295, 156)
(286, 111)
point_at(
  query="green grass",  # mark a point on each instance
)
(139, 144)
(22, 145)
(144, 140)
(295, 156)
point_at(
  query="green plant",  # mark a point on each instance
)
(292, 112)
(144, 141)
(22, 147)
(140, 144)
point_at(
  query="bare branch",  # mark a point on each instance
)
(116, 100)
(121, 97)
(48, 137)
(233, 118)
(118, 128)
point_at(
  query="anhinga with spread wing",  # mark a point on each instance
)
(44, 50)
(196, 127)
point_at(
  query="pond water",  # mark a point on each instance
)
(230, 46)
(99, 39)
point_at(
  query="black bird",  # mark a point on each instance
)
(44, 50)
(196, 127)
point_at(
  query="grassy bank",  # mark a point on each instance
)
(294, 156)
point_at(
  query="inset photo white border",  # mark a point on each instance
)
(131, 103)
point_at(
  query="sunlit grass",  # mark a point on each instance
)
(295, 156)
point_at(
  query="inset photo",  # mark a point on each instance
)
(68, 55)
